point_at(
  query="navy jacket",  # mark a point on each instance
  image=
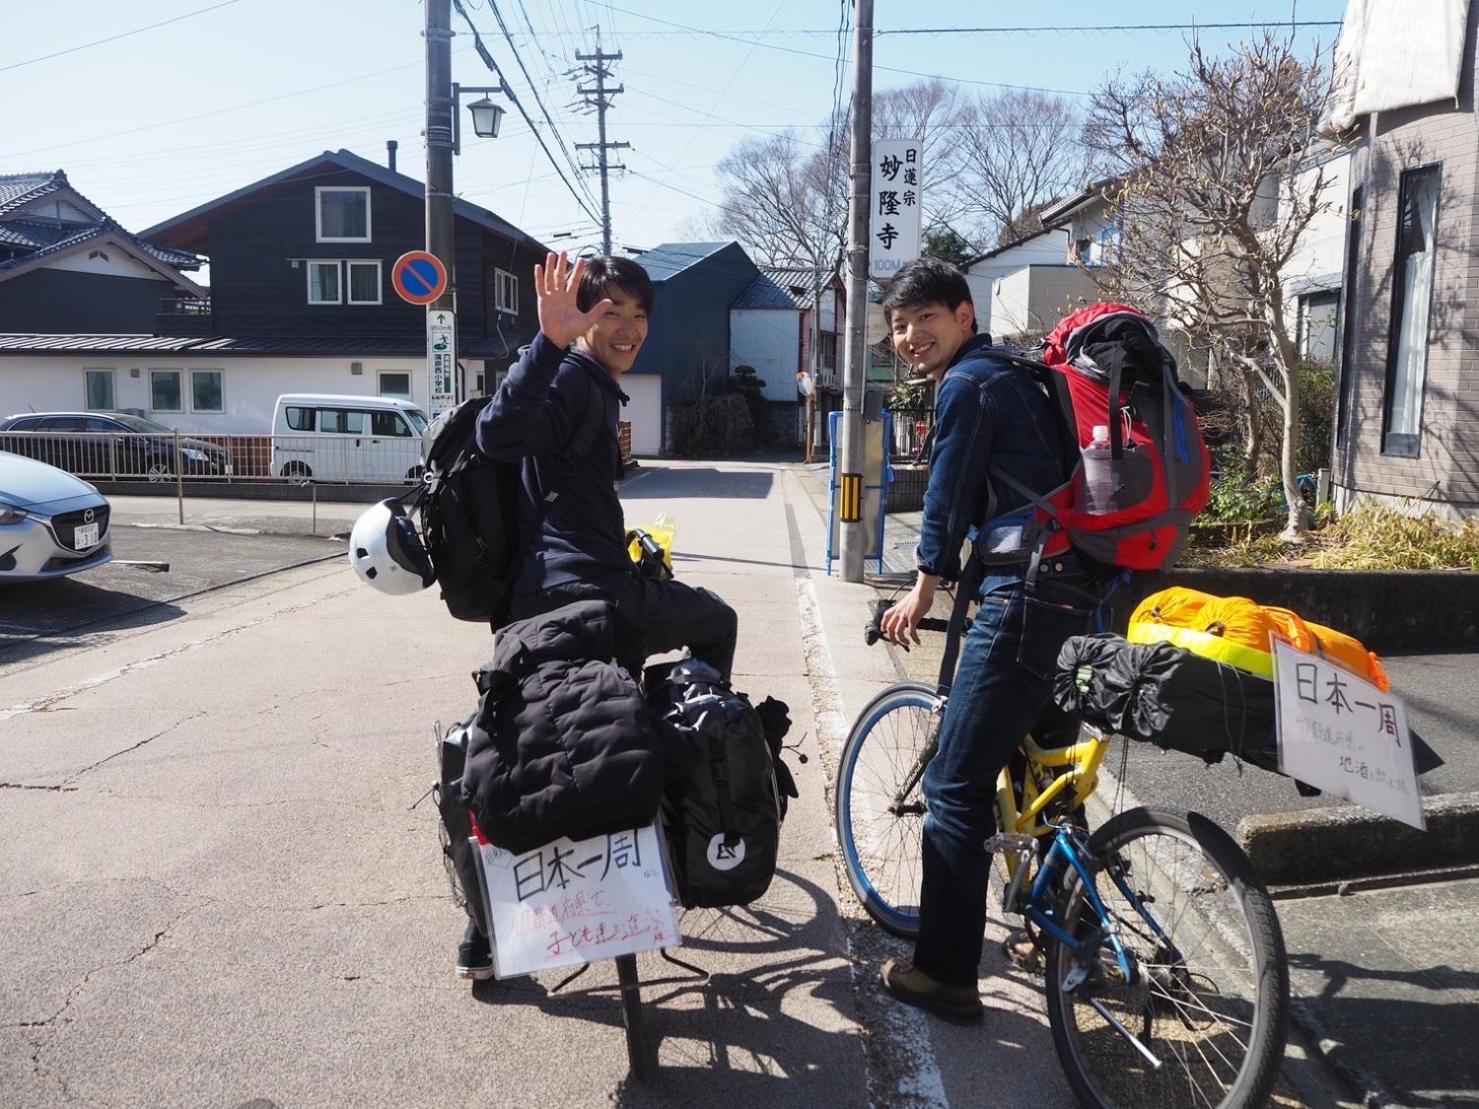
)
(532, 418)
(989, 414)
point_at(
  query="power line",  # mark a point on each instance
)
(752, 42)
(1083, 28)
(508, 91)
(115, 38)
(534, 91)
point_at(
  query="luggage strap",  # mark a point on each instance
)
(719, 767)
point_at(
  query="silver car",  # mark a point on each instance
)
(51, 523)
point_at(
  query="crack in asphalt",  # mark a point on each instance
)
(56, 697)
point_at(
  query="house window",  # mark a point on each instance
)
(1352, 262)
(1412, 294)
(164, 391)
(827, 348)
(323, 283)
(206, 394)
(505, 292)
(395, 384)
(99, 390)
(1318, 326)
(364, 282)
(342, 215)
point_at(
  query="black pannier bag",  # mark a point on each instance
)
(1166, 695)
(727, 787)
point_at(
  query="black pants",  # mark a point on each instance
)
(651, 617)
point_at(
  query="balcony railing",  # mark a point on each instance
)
(184, 306)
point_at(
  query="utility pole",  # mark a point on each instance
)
(440, 241)
(600, 98)
(852, 534)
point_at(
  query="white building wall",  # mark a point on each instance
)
(1048, 249)
(108, 260)
(770, 340)
(1319, 259)
(250, 386)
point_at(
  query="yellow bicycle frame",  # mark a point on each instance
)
(1080, 763)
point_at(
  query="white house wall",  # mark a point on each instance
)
(770, 340)
(1320, 255)
(250, 386)
(1048, 249)
(110, 261)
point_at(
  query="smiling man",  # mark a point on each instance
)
(991, 418)
(593, 320)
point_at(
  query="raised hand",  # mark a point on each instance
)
(556, 286)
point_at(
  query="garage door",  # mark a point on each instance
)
(644, 410)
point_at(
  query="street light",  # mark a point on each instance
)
(486, 114)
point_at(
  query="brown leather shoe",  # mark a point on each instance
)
(957, 1004)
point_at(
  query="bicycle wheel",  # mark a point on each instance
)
(631, 1015)
(879, 803)
(1211, 1000)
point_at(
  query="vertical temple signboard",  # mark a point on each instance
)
(893, 236)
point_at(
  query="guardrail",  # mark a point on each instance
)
(177, 456)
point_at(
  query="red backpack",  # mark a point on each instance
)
(1159, 461)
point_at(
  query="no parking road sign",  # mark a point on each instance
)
(419, 277)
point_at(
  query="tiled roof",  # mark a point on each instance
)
(387, 345)
(798, 281)
(18, 188)
(764, 293)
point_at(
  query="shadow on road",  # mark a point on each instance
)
(704, 481)
(1420, 1052)
(39, 618)
(739, 1044)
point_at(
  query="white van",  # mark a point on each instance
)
(321, 437)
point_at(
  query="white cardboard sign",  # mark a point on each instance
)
(1341, 733)
(895, 204)
(577, 901)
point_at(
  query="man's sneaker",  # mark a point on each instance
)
(474, 960)
(957, 1004)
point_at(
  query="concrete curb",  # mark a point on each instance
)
(1346, 842)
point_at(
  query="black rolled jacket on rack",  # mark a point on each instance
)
(562, 744)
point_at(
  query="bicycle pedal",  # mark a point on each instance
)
(1004, 843)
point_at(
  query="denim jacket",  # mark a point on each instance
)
(989, 414)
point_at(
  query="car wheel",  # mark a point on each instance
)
(159, 471)
(297, 473)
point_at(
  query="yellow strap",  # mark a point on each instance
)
(1215, 647)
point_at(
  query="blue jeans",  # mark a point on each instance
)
(1000, 691)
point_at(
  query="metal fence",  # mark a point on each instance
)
(294, 459)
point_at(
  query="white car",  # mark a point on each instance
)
(51, 523)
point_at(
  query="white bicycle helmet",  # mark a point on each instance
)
(387, 553)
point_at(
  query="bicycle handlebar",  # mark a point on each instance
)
(874, 630)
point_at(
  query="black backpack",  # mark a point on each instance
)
(469, 511)
(727, 787)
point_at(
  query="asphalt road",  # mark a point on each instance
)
(63, 613)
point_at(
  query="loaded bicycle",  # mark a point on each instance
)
(1165, 971)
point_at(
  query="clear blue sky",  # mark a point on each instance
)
(152, 124)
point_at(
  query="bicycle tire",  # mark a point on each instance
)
(893, 914)
(1228, 903)
(638, 1064)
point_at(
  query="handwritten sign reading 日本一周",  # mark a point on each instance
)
(578, 901)
(1345, 735)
